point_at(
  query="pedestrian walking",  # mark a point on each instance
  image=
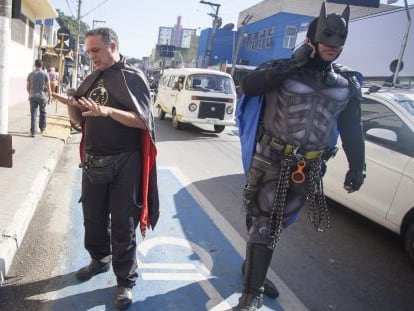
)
(38, 87)
(54, 79)
(305, 102)
(119, 187)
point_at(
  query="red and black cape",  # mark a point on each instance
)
(128, 86)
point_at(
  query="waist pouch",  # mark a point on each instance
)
(103, 169)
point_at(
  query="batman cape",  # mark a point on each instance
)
(128, 86)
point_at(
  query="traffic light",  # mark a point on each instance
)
(167, 50)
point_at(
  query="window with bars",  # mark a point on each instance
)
(290, 37)
(262, 39)
(269, 37)
(18, 29)
(255, 40)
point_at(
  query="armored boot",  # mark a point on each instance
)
(269, 288)
(258, 258)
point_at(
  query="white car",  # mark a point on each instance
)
(387, 195)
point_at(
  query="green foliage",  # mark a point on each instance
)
(71, 23)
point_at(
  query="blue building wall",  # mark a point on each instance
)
(222, 49)
(226, 40)
(276, 50)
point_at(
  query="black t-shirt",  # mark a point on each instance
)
(105, 136)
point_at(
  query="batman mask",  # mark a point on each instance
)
(331, 29)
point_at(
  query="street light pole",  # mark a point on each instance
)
(76, 48)
(95, 21)
(216, 25)
(403, 45)
(5, 35)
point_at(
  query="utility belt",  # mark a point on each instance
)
(288, 149)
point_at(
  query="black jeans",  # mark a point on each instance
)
(111, 214)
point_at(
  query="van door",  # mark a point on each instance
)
(176, 85)
(163, 97)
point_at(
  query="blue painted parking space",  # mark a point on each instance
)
(187, 263)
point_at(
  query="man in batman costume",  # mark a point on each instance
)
(114, 108)
(307, 101)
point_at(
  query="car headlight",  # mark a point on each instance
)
(192, 107)
(229, 109)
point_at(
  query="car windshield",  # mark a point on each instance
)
(210, 83)
(405, 102)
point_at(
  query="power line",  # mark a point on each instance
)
(70, 9)
(90, 11)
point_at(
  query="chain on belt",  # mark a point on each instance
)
(318, 209)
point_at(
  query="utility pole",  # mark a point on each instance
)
(76, 48)
(5, 35)
(6, 147)
(246, 19)
(216, 25)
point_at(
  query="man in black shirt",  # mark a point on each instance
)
(119, 189)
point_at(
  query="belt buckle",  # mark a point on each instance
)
(310, 155)
(276, 144)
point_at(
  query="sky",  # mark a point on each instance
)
(137, 21)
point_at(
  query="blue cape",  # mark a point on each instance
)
(248, 112)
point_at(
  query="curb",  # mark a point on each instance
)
(16, 230)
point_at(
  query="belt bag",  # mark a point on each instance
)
(104, 169)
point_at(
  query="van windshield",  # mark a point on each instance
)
(210, 83)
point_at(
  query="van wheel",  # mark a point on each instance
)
(219, 128)
(161, 113)
(175, 123)
(409, 240)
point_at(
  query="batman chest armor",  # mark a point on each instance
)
(303, 111)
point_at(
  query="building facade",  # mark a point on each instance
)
(25, 44)
(271, 31)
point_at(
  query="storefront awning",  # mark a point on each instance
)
(41, 8)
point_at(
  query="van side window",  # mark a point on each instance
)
(173, 79)
(164, 80)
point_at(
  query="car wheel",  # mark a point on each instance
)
(219, 128)
(175, 123)
(409, 241)
(161, 113)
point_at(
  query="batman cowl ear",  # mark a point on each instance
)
(346, 13)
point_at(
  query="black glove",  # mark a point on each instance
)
(303, 55)
(354, 180)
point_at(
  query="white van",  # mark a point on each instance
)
(195, 95)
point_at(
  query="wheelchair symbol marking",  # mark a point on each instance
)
(216, 301)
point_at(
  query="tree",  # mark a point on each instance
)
(71, 23)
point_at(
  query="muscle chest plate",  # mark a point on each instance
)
(304, 110)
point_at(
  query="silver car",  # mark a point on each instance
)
(387, 196)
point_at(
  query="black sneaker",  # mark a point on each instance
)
(123, 298)
(94, 268)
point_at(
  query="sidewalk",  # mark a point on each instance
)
(22, 186)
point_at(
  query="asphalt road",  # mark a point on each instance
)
(356, 265)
